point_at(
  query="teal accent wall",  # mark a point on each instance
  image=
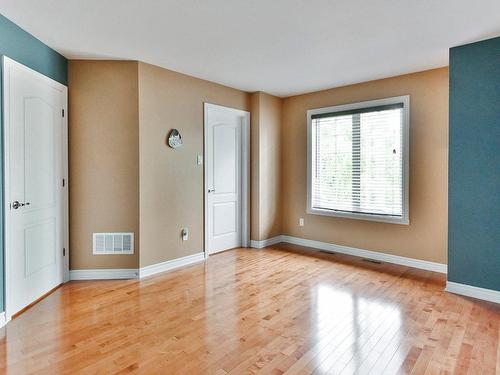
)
(25, 49)
(474, 165)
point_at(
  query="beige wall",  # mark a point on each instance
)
(426, 236)
(103, 158)
(123, 176)
(266, 165)
(122, 173)
(254, 166)
(171, 184)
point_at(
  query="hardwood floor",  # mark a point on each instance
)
(273, 311)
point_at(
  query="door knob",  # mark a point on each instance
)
(16, 205)
(211, 190)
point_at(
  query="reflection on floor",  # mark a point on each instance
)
(279, 310)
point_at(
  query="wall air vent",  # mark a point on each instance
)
(113, 243)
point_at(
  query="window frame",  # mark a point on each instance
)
(405, 218)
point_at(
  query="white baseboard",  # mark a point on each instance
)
(134, 273)
(3, 320)
(473, 291)
(170, 265)
(103, 274)
(375, 255)
(270, 241)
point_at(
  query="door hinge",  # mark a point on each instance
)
(63, 112)
(64, 251)
(64, 182)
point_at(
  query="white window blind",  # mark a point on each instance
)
(358, 161)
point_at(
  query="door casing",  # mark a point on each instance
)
(7, 64)
(245, 173)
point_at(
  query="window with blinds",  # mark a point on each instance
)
(358, 160)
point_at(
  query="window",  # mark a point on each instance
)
(358, 160)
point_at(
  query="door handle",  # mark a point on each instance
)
(17, 204)
(211, 190)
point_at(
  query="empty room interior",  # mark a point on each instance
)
(250, 187)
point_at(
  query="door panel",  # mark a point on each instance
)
(224, 173)
(225, 167)
(225, 218)
(34, 193)
(40, 243)
(39, 151)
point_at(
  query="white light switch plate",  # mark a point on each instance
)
(199, 159)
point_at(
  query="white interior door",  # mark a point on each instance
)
(225, 167)
(34, 169)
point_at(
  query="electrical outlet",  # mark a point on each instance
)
(185, 234)
(301, 221)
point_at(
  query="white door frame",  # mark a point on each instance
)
(245, 173)
(7, 64)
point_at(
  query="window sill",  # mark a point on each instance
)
(367, 217)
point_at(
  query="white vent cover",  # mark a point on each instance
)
(113, 243)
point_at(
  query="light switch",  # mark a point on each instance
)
(199, 159)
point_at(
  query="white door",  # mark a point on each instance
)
(225, 166)
(34, 147)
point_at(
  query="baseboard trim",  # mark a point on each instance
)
(103, 274)
(171, 265)
(375, 255)
(133, 273)
(473, 291)
(268, 242)
(3, 320)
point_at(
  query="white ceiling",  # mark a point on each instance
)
(283, 47)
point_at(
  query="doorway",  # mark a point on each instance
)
(227, 165)
(35, 180)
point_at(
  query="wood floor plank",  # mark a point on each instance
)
(280, 310)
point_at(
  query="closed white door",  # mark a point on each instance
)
(223, 160)
(33, 176)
